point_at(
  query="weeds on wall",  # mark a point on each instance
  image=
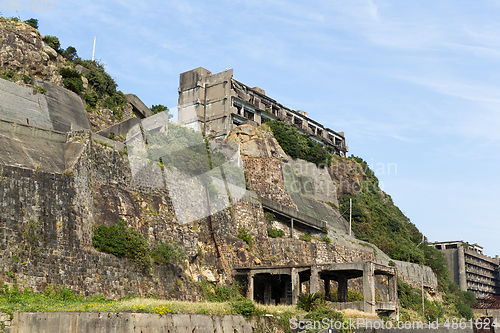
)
(31, 239)
(244, 235)
(124, 242)
(167, 252)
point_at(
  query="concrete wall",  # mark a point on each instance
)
(71, 322)
(58, 109)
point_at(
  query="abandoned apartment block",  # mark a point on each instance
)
(217, 103)
(470, 268)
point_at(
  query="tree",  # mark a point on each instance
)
(70, 53)
(161, 108)
(32, 22)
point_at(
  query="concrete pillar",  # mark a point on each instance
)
(250, 286)
(462, 281)
(327, 289)
(267, 293)
(313, 281)
(368, 288)
(291, 228)
(295, 285)
(342, 294)
(393, 287)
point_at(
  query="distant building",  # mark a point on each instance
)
(470, 269)
(217, 103)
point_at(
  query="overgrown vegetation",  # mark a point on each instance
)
(244, 235)
(377, 220)
(297, 144)
(123, 242)
(167, 252)
(275, 233)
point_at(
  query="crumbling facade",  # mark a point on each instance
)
(470, 269)
(215, 104)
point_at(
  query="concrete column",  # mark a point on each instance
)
(291, 228)
(368, 288)
(295, 285)
(327, 289)
(393, 287)
(342, 294)
(462, 281)
(313, 281)
(250, 286)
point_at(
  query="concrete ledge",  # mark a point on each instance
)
(114, 144)
(121, 128)
(121, 322)
(32, 131)
(298, 217)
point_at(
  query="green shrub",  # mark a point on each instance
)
(464, 310)
(39, 89)
(244, 236)
(270, 217)
(117, 114)
(72, 79)
(299, 145)
(70, 53)
(244, 307)
(32, 22)
(167, 252)
(53, 42)
(326, 239)
(73, 84)
(310, 302)
(122, 242)
(275, 232)
(218, 293)
(8, 75)
(26, 79)
(102, 83)
(161, 108)
(305, 237)
(91, 98)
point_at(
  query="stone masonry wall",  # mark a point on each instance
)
(266, 179)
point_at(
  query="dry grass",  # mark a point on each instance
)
(351, 313)
(279, 309)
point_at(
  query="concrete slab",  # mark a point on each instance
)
(66, 109)
(140, 109)
(19, 104)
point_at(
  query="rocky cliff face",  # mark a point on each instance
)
(24, 58)
(23, 51)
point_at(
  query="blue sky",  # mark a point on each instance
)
(410, 82)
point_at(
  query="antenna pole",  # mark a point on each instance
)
(93, 51)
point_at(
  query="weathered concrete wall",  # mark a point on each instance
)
(415, 274)
(59, 109)
(72, 322)
(38, 148)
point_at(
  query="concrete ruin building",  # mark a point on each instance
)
(470, 268)
(217, 103)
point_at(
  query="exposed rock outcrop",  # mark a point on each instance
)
(23, 51)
